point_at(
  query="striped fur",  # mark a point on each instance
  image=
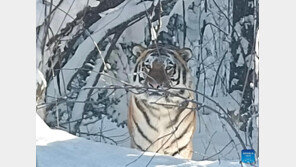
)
(162, 119)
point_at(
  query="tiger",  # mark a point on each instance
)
(162, 117)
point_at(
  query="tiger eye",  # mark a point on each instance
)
(148, 66)
(169, 68)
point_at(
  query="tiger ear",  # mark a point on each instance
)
(186, 54)
(137, 50)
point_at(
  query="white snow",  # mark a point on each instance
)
(55, 148)
(40, 79)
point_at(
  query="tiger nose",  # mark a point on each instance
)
(153, 85)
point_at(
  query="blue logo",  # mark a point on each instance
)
(248, 156)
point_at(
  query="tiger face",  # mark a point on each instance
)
(163, 71)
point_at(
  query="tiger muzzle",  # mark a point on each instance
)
(157, 79)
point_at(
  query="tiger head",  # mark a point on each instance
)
(163, 71)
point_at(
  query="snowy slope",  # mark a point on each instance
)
(57, 148)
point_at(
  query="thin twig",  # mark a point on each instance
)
(219, 151)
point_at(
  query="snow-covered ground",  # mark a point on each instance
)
(57, 148)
